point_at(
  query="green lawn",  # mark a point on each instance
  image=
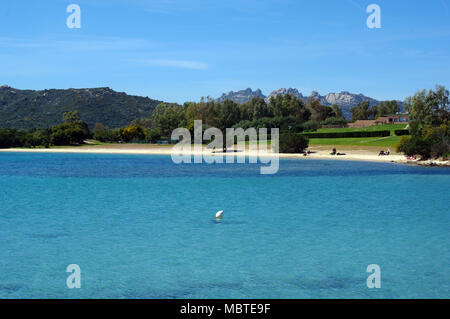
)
(389, 141)
(386, 127)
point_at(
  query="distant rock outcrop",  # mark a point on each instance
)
(242, 96)
(345, 100)
(283, 92)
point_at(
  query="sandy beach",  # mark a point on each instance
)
(352, 153)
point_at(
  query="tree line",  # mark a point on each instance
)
(286, 112)
(363, 110)
(429, 124)
(72, 131)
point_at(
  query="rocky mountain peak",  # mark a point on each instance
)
(242, 96)
(344, 99)
(283, 92)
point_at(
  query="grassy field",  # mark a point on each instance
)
(389, 141)
(386, 127)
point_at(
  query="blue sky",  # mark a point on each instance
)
(181, 50)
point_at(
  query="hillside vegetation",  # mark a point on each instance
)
(26, 109)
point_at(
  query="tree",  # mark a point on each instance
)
(71, 117)
(419, 108)
(72, 131)
(204, 111)
(318, 111)
(145, 122)
(191, 114)
(293, 143)
(428, 109)
(387, 108)
(9, 138)
(39, 138)
(107, 136)
(439, 104)
(98, 127)
(154, 135)
(166, 118)
(255, 109)
(429, 124)
(337, 110)
(415, 145)
(360, 111)
(103, 134)
(286, 106)
(299, 110)
(335, 121)
(439, 139)
(133, 133)
(228, 115)
(68, 134)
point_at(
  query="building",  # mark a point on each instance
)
(388, 119)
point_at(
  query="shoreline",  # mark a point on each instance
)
(318, 152)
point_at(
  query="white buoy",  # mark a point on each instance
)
(219, 214)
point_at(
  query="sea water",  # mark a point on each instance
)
(143, 227)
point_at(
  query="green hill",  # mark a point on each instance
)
(24, 109)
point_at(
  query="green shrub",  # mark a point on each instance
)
(349, 134)
(336, 121)
(310, 126)
(133, 133)
(439, 138)
(293, 143)
(19, 138)
(69, 133)
(36, 138)
(401, 132)
(415, 145)
(154, 135)
(107, 136)
(287, 124)
(9, 138)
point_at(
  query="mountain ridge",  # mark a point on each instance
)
(345, 100)
(26, 109)
(241, 96)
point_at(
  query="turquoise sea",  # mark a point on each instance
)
(143, 227)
